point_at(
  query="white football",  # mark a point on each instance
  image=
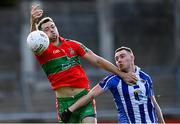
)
(37, 41)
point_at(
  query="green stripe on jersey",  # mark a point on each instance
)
(85, 48)
(60, 64)
(82, 46)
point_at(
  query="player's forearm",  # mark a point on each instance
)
(129, 78)
(158, 110)
(108, 66)
(66, 115)
(81, 102)
(33, 26)
(103, 63)
(159, 114)
(36, 13)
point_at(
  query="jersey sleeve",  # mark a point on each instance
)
(106, 83)
(80, 48)
(151, 92)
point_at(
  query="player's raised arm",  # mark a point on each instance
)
(108, 66)
(36, 13)
(96, 91)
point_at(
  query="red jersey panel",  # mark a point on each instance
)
(62, 64)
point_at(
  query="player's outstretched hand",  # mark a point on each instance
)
(65, 116)
(36, 13)
(130, 78)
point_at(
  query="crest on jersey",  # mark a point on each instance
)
(143, 81)
(71, 51)
(138, 94)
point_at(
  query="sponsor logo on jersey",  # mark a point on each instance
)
(56, 51)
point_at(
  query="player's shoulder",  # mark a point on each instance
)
(144, 75)
(109, 81)
(73, 41)
(111, 77)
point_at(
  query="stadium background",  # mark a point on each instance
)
(150, 27)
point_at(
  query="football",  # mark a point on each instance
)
(38, 42)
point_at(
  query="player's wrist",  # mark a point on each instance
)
(34, 20)
(68, 110)
(66, 115)
(123, 75)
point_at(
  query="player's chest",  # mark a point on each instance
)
(136, 91)
(139, 93)
(61, 51)
(140, 87)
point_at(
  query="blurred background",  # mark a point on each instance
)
(150, 27)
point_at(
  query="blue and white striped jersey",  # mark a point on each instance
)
(133, 103)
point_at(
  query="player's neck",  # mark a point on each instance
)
(132, 69)
(57, 42)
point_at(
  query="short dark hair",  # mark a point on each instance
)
(42, 21)
(123, 48)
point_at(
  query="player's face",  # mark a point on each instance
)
(124, 60)
(51, 30)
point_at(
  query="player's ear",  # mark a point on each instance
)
(132, 56)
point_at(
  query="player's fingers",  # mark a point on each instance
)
(32, 7)
(35, 9)
(129, 83)
(133, 76)
(37, 14)
(35, 6)
(134, 81)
